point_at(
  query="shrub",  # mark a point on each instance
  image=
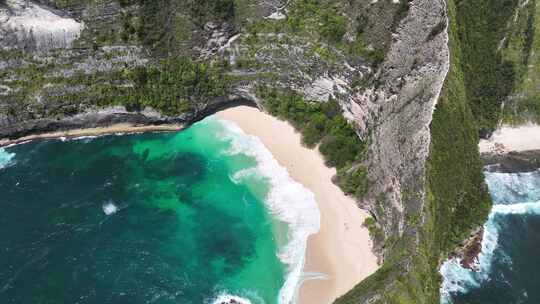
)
(318, 122)
(333, 26)
(354, 181)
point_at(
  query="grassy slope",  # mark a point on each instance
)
(489, 76)
(457, 199)
(524, 48)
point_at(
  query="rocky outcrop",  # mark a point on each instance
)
(512, 162)
(468, 251)
(397, 111)
(33, 26)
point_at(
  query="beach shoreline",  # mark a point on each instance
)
(340, 255)
(508, 139)
(120, 128)
(512, 149)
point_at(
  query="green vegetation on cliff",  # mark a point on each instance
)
(323, 124)
(173, 86)
(500, 40)
(523, 48)
(457, 199)
(176, 85)
(489, 77)
(319, 122)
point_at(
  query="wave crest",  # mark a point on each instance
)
(230, 299)
(287, 200)
(5, 158)
(510, 192)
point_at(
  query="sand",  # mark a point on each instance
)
(339, 256)
(512, 139)
(113, 129)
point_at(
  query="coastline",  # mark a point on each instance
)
(339, 256)
(512, 139)
(125, 128)
(512, 149)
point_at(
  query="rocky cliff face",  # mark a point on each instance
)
(397, 111)
(61, 58)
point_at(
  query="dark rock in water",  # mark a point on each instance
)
(469, 250)
(512, 162)
(472, 250)
(231, 301)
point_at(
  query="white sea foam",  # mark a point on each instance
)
(109, 208)
(5, 158)
(287, 200)
(511, 188)
(508, 191)
(86, 139)
(228, 299)
(239, 176)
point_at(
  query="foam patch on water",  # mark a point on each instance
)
(5, 158)
(287, 200)
(109, 208)
(511, 188)
(230, 299)
(241, 175)
(458, 279)
(508, 191)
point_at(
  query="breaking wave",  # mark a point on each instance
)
(230, 299)
(287, 200)
(5, 158)
(109, 208)
(512, 188)
(512, 193)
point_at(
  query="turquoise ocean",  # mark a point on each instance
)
(205, 215)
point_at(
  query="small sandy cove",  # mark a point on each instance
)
(341, 250)
(113, 129)
(509, 139)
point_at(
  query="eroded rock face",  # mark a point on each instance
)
(33, 26)
(398, 113)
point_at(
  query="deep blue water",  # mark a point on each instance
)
(509, 265)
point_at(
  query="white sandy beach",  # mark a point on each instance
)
(508, 139)
(113, 129)
(341, 250)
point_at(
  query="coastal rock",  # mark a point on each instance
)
(512, 162)
(398, 111)
(468, 251)
(34, 26)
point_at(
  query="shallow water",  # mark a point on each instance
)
(184, 217)
(510, 259)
